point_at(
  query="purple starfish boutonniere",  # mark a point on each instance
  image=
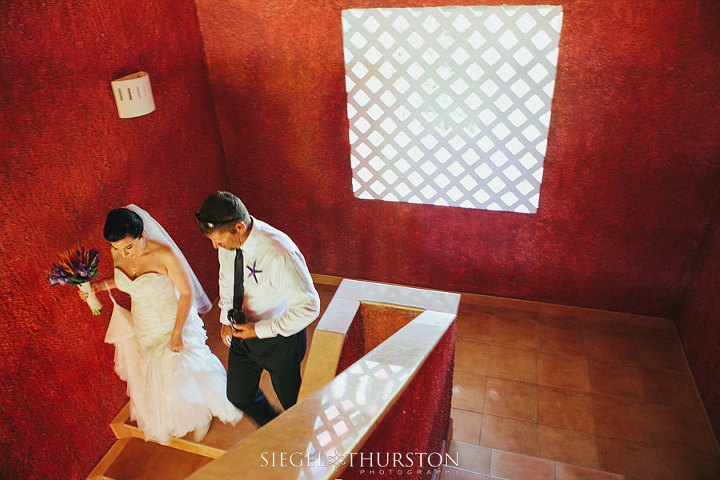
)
(254, 271)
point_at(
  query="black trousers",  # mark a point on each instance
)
(281, 357)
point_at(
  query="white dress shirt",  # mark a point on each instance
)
(280, 298)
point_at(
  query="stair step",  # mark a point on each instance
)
(140, 460)
(219, 439)
(131, 457)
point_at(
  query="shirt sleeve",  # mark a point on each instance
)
(291, 275)
(226, 279)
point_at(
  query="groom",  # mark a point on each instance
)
(267, 298)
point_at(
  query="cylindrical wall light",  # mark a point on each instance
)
(133, 95)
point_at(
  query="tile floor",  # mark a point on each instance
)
(552, 392)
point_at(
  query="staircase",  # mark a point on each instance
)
(340, 406)
(133, 458)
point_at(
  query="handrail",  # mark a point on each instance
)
(311, 439)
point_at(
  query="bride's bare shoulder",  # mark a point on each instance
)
(159, 249)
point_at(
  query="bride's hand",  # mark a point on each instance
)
(226, 334)
(84, 295)
(176, 342)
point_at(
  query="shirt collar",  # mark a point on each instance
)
(251, 241)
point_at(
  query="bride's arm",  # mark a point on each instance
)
(108, 282)
(103, 283)
(98, 285)
(180, 277)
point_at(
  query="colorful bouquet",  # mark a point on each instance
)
(78, 268)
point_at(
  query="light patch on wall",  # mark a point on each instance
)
(450, 105)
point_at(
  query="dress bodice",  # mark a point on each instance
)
(171, 393)
(146, 286)
(154, 301)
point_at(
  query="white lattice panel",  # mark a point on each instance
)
(451, 105)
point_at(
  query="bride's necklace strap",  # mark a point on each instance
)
(134, 272)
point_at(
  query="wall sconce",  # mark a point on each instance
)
(133, 95)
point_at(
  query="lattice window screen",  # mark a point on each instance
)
(451, 105)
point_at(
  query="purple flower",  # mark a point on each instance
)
(75, 267)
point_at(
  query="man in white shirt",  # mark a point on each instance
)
(278, 301)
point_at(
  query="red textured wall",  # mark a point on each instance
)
(699, 323)
(66, 159)
(418, 422)
(632, 155)
(632, 168)
(372, 325)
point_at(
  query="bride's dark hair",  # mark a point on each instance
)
(121, 223)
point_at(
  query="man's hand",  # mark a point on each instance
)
(244, 331)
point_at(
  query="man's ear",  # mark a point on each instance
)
(240, 228)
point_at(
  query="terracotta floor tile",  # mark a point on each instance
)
(469, 391)
(513, 363)
(450, 473)
(662, 351)
(613, 323)
(670, 387)
(511, 399)
(475, 326)
(561, 315)
(680, 462)
(515, 332)
(573, 472)
(609, 347)
(561, 338)
(510, 435)
(565, 409)
(615, 379)
(467, 304)
(672, 425)
(471, 356)
(509, 313)
(466, 426)
(470, 457)
(628, 458)
(623, 418)
(636, 401)
(568, 371)
(567, 446)
(512, 466)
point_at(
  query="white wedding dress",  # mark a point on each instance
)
(170, 393)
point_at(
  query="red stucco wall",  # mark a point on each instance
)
(418, 422)
(699, 323)
(66, 159)
(631, 174)
(632, 156)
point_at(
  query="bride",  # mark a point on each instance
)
(175, 383)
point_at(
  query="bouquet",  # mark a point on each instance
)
(78, 268)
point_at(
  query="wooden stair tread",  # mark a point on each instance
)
(220, 438)
(140, 460)
(132, 458)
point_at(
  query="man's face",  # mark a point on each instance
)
(227, 240)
